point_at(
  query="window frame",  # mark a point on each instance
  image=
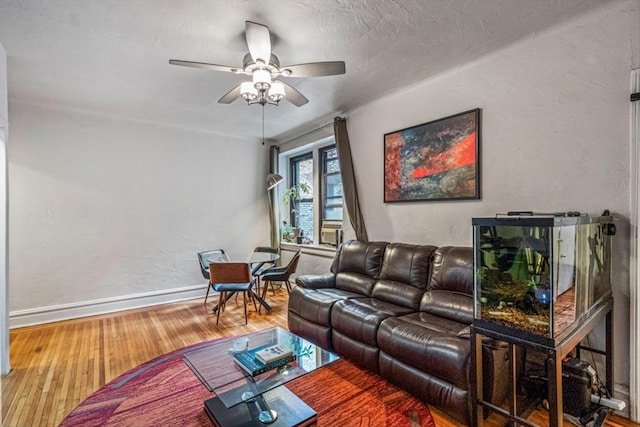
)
(287, 168)
(294, 179)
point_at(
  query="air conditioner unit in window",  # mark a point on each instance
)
(331, 233)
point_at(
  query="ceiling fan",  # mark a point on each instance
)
(264, 69)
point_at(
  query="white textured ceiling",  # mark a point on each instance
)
(111, 56)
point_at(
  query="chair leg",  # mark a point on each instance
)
(252, 298)
(244, 300)
(207, 294)
(257, 285)
(220, 306)
(288, 283)
(265, 287)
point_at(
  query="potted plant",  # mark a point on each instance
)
(291, 232)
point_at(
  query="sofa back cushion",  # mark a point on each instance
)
(450, 290)
(405, 274)
(357, 266)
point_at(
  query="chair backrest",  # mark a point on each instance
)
(229, 272)
(293, 263)
(207, 257)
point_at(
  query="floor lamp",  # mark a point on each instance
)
(273, 179)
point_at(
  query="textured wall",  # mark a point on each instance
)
(555, 137)
(103, 208)
(4, 312)
(4, 115)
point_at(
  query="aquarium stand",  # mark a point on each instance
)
(554, 355)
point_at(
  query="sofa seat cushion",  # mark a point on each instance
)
(360, 318)
(315, 305)
(404, 275)
(428, 343)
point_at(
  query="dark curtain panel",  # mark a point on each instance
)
(349, 187)
(273, 205)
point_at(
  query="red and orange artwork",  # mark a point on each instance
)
(433, 161)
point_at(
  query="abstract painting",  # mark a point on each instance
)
(438, 160)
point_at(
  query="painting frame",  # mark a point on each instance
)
(437, 160)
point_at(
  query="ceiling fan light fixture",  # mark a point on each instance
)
(261, 80)
(248, 91)
(276, 92)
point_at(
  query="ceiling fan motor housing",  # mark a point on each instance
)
(249, 65)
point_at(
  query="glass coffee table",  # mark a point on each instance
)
(245, 400)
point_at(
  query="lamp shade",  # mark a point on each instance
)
(273, 179)
(261, 80)
(276, 92)
(248, 92)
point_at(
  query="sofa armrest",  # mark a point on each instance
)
(317, 281)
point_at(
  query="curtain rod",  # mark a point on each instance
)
(305, 134)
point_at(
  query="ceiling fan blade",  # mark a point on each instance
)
(315, 69)
(293, 96)
(205, 66)
(230, 96)
(258, 41)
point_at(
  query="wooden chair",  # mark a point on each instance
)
(280, 274)
(231, 277)
(207, 257)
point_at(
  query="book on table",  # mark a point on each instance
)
(273, 353)
(249, 361)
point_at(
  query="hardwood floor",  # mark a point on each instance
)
(58, 365)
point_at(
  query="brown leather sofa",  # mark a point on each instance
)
(402, 311)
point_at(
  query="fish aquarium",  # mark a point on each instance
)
(537, 276)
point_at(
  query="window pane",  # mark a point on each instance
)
(334, 213)
(333, 186)
(305, 175)
(302, 210)
(305, 219)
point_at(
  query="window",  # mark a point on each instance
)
(301, 208)
(314, 173)
(331, 185)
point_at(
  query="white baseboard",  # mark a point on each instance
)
(55, 313)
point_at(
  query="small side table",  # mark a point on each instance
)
(554, 355)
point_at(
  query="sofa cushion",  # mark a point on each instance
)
(357, 265)
(450, 290)
(452, 270)
(428, 343)
(404, 275)
(448, 305)
(359, 318)
(315, 305)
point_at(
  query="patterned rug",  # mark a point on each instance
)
(165, 392)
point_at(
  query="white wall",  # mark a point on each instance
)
(4, 294)
(104, 210)
(555, 137)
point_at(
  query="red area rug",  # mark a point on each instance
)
(165, 392)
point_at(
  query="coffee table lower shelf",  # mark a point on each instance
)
(291, 411)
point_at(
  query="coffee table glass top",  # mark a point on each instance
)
(214, 365)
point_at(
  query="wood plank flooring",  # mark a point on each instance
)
(58, 365)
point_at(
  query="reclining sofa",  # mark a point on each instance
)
(402, 311)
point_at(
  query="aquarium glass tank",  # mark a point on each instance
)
(538, 276)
